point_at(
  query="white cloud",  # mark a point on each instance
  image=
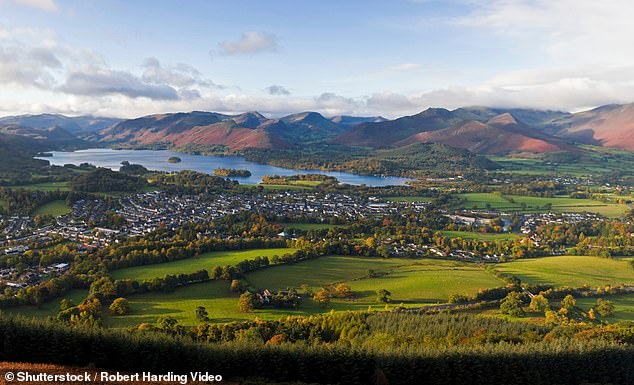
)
(250, 43)
(106, 82)
(568, 31)
(277, 90)
(180, 75)
(42, 5)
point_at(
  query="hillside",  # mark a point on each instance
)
(379, 134)
(248, 130)
(500, 134)
(74, 125)
(608, 126)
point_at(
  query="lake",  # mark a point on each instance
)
(157, 160)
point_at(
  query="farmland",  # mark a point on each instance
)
(571, 271)
(623, 306)
(55, 208)
(515, 203)
(412, 282)
(311, 226)
(482, 236)
(48, 309)
(204, 261)
(46, 186)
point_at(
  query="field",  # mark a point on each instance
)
(571, 271)
(408, 199)
(278, 186)
(49, 309)
(537, 204)
(482, 236)
(47, 186)
(190, 265)
(411, 281)
(311, 226)
(427, 282)
(54, 208)
(623, 306)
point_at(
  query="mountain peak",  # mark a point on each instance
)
(505, 119)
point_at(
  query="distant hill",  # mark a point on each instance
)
(608, 126)
(483, 130)
(385, 133)
(248, 130)
(500, 134)
(74, 125)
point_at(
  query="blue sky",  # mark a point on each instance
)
(373, 57)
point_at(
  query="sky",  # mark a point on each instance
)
(391, 58)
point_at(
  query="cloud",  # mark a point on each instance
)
(179, 75)
(42, 5)
(26, 66)
(567, 31)
(250, 43)
(277, 90)
(107, 82)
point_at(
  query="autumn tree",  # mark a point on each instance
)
(512, 304)
(322, 297)
(119, 306)
(246, 303)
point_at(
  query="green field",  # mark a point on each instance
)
(408, 199)
(54, 208)
(427, 282)
(190, 265)
(623, 306)
(47, 186)
(537, 204)
(49, 309)
(571, 271)
(411, 281)
(321, 271)
(311, 226)
(278, 186)
(483, 236)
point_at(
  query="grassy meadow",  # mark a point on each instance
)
(54, 208)
(518, 203)
(204, 261)
(482, 236)
(571, 271)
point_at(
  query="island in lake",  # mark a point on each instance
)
(174, 159)
(232, 172)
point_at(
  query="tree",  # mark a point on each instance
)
(119, 306)
(65, 304)
(512, 304)
(166, 323)
(605, 308)
(201, 314)
(322, 297)
(104, 288)
(568, 302)
(343, 290)
(246, 303)
(539, 304)
(383, 296)
(458, 298)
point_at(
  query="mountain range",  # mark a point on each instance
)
(481, 130)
